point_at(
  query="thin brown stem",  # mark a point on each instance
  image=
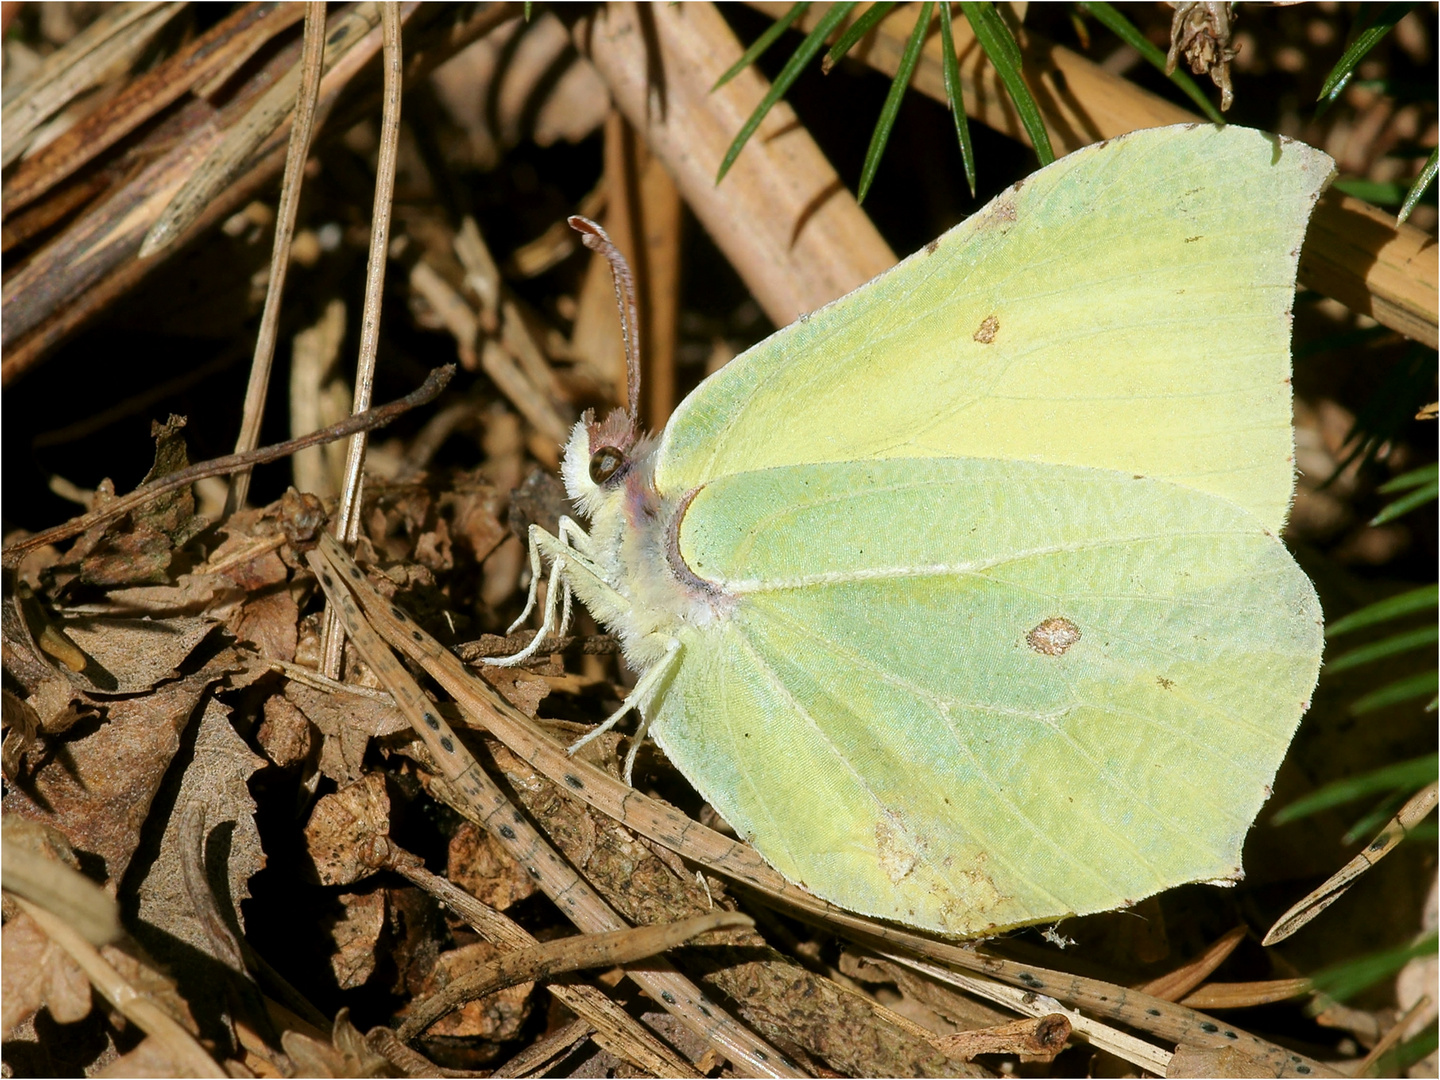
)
(312, 62)
(230, 463)
(348, 517)
(550, 958)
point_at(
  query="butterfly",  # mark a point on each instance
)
(962, 599)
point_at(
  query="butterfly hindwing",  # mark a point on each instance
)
(965, 693)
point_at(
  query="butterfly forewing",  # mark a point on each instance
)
(1127, 307)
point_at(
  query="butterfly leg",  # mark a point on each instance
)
(568, 560)
(639, 700)
(571, 535)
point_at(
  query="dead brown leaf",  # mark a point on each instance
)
(284, 735)
(193, 885)
(269, 621)
(340, 833)
(152, 1058)
(96, 781)
(496, 1017)
(1215, 1063)
(130, 656)
(347, 723)
(35, 973)
(141, 553)
(482, 868)
(355, 930)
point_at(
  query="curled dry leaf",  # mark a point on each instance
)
(193, 887)
(347, 722)
(35, 973)
(131, 656)
(97, 785)
(22, 728)
(1035, 1039)
(341, 833)
(482, 868)
(346, 1054)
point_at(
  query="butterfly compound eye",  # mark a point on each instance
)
(604, 463)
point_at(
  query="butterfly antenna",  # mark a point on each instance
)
(596, 239)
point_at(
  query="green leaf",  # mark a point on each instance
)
(1125, 30)
(1425, 474)
(867, 21)
(788, 74)
(1348, 979)
(1418, 188)
(1392, 607)
(1379, 192)
(1421, 684)
(1372, 23)
(1004, 54)
(955, 94)
(1397, 1061)
(1378, 650)
(762, 43)
(1406, 503)
(1376, 819)
(1406, 776)
(883, 126)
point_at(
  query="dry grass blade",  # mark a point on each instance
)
(213, 53)
(1036, 1005)
(67, 893)
(343, 34)
(1391, 1038)
(1338, 884)
(1246, 995)
(86, 268)
(540, 1054)
(782, 217)
(84, 61)
(311, 66)
(1178, 983)
(492, 809)
(567, 954)
(347, 517)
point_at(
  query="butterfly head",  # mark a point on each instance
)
(598, 457)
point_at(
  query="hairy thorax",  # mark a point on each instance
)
(634, 537)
